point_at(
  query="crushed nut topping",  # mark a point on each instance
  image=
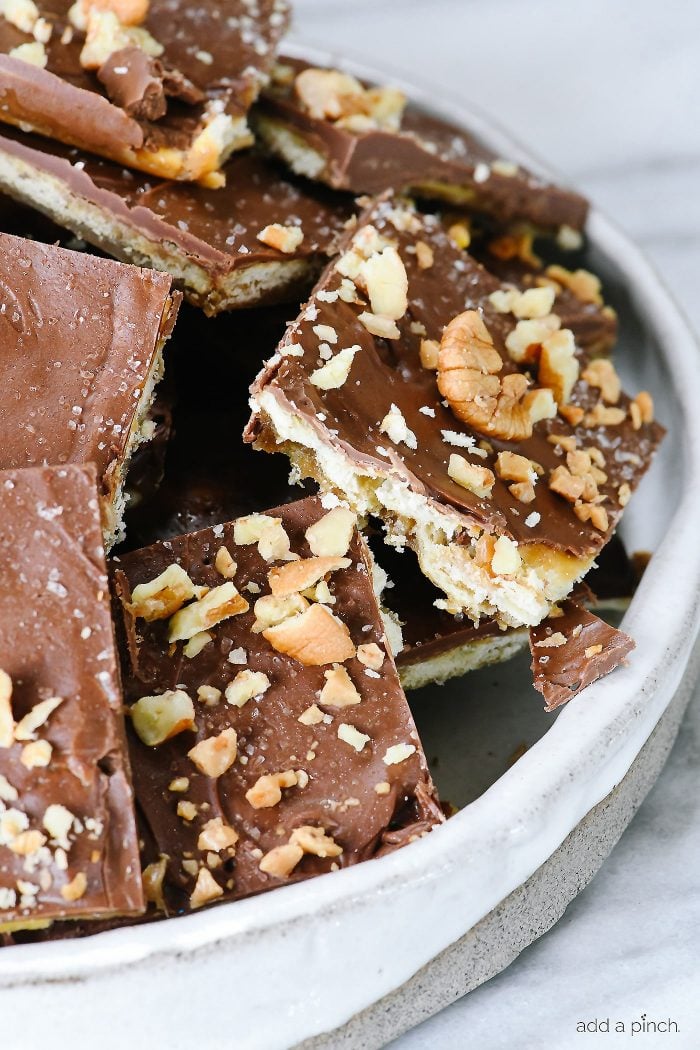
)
(267, 790)
(7, 722)
(37, 717)
(558, 368)
(328, 94)
(313, 637)
(370, 655)
(584, 284)
(299, 575)
(158, 718)
(468, 376)
(506, 560)
(335, 372)
(218, 604)
(283, 238)
(395, 427)
(398, 753)
(479, 480)
(246, 685)
(162, 597)
(224, 563)
(601, 373)
(206, 889)
(349, 734)
(339, 689)
(217, 836)
(330, 536)
(215, 754)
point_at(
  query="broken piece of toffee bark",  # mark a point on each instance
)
(571, 651)
(263, 237)
(505, 491)
(163, 87)
(68, 843)
(271, 740)
(81, 353)
(330, 127)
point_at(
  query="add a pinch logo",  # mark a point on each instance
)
(640, 1026)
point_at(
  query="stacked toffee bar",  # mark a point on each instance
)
(218, 709)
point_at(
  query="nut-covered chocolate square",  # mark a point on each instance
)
(270, 737)
(460, 412)
(68, 842)
(80, 351)
(360, 137)
(159, 85)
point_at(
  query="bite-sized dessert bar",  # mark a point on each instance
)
(163, 86)
(264, 236)
(460, 413)
(328, 126)
(81, 352)
(572, 649)
(270, 738)
(68, 843)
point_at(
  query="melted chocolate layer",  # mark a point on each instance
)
(79, 342)
(340, 795)
(56, 640)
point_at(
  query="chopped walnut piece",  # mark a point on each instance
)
(382, 788)
(573, 414)
(26, 843)
(7, 722)
(282, 238)
(215, 754)
(339, 689)
(298, 576)
(479, 480)
(532, 303)
(33, 53)
(330, 536)
(196, 643)
(245, 686)
(512, 467)
(311, 716)
(554, 641)
(209, 695)
(624, 494)
(206, 889)
(525, 341)
(315, 841)
(224, 563)
(566, 484)
(219, 604)
(594, 513)
(268, 533)
(36, 755)
(328, 94)
(424, 255)
(382, 327)
(468, 368)
(584, 285)
(158, 718)
(565, 441)
(601, 373)
(282, 860)
(398, 753)
(602, 416)
(335, 372)
(524, 491)
(160, 598)
(22, 14)
(267, 790)
(384, 277)
(216, 836)
(558, 368)
(314, 637)
(270, 610)
(351, 735)
(186, 810)
(129, 12)
(460, 235)
(506, 560)
(152, 880)
(75, 889)
(429, 353)
(58, 821)
(592, 650)
(34, 719)
(370, 655)
(105, 34)
(641, 410)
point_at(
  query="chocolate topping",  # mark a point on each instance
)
(217, 51)
(339, 795)
(211, 232)
(571, 651)
(428, 155)
(389, 371)
(80, 341)
(80, 857)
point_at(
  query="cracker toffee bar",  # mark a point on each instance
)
(265, 236)
(330, 127)
(161, 86)
(270, 737)
(81, 351)
(457, 411)
(68, 843)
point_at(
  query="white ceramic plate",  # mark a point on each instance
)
(274, 970)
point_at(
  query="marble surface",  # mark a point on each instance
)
(608, 93)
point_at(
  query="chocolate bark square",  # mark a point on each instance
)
(406, 385)
(68, 842)
(163, 87)
(81, 353)
(270, 737)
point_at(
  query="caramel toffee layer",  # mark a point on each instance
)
(350, 766)
(385, 421)
(80, 351)
(168, 95)
(425, 155)
(68, 843)
(210, 240)
(571, 651)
